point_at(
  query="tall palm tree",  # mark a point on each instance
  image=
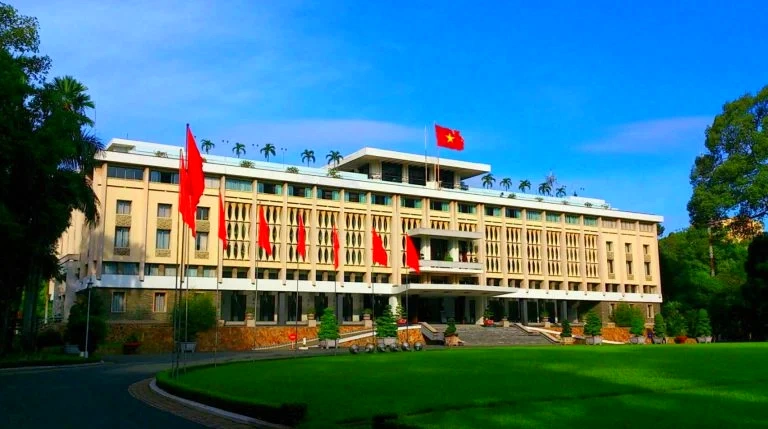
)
(268, 150)
(238, 149)
(525, 185)
(506, 183)
(73, 96)
(334, 157)
(545, 188)
(560, 192)
(207, 145)
(488, 180)
(308, 155)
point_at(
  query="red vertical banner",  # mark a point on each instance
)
(264, 242)
(379, 252)
(222, 223)
(411, 255)
(185, 209)
(336, 247)
(194, 171)
(301, 245)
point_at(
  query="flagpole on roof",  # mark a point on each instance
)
(426, 159)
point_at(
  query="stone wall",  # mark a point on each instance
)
(609, 334)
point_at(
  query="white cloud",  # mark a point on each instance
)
(651, 136)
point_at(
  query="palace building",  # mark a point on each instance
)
(515, 253)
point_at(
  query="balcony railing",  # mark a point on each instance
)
(451, 267)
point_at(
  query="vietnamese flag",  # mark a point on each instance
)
(264, 233)
(379, 252)
(301, 246)
(185, 209)
(194, 171)
(411, 255)
(222, 223)
(336, 246)
(449, 138)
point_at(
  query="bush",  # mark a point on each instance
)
(703, 326)
(659, 326)
(246, 164)
(78, 319)
(329, 326)
(451, 329)
(625, 314)
(49, 338)
(200, 315)
(566, 329)
(676, 323)
(292, 169)
(638, 326)
(594, 325)
(386, 326)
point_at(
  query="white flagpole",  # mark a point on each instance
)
(426, 161)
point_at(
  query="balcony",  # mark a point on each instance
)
(609, 255)
(445, 233)
(450, 267)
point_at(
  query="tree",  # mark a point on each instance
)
(506, 183)
(79, 318)
(207, 145)
(238, 149)
(488, 181)
(450, 330)
(560, 192)
(545, 188)
(268, 150)
(386, 326)
(703, 327)
(329, 326)
(196, 315)
(567, 333)
(594, 326)
(625, 315)
(19, 37)
(334, 157)
(755, 289)
(731, 178)
(659, 326)
(307, 156)
(637, 326)
(525, 185)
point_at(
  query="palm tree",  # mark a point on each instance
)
(268, 150)
(238, 149)
(488, 180)
(560, 192)
(73, 96)
(524, 185)
(506, 183)
(207, 145)
(308, 155)
(334, 157)
(545, 188)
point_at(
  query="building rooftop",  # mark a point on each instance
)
(464, 169)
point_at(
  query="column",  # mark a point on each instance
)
(340, 308)
(524, 311)
(563, 310)
(282, 308)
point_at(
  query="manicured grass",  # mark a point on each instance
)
(43, 359)
(533, 387)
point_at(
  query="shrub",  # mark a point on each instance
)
(512, 195)
(626, 314)
(638, 326)
(451, 329)
(161, 154)
(292, 169)
(329, 328)
(587, 204)
(246, 164)
(49, 338)
(566, 329)
(488, 313)
(386, 326)
(334, 173)
(594, 325)
(200, 315)
(676, 323)
(659, 326)
(703, 326)
(78, 319)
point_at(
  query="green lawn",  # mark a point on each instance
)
(707, 385)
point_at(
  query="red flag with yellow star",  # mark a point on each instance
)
(449, 138)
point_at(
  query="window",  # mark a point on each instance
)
(645, 249)
(170, 271)
(572, 219)
(647, 268)
(441, 206)
(159, 176)
(354, 197)
(327, 194)
(123, 207)
(553, 217)
(125, 173)
(467, 208)
(609, 223)
(201, 242)
(209, 271)
(151, 270)
(270, 188)
(609, 246)
(163, 239)
(533, 215)
(158, 306)
(300, 191)
(202, 213)
(118, 302)
(381, 200)
(628, 248)
(590, 221)
(610, 266)
(629, 268)
(164, 210)
(121, 268)
(492, 211)
(649, 311)
(411, 203)
(239, 185)
(512, 213)
(212, 182)
(122, 237)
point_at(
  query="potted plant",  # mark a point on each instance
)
(566, 336)
(593, 328)
(367, 314)
(637, 329)
(401, 316)
(488, 317)
(659, 329)
(450, 335)
(544, 317)
(703, 327)
(200, 316)
(386, 328)
(311, 313)
(504, 317)
(131, 344)
(328, 334)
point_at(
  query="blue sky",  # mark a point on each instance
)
(612, 97)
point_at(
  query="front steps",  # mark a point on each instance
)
(475, 335)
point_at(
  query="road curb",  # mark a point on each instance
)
(33, 367)
(213, 410)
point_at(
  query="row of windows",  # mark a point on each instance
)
(119, 304)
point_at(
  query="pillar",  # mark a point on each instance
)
(340, 308)
(564, 310)
(282, 308)
(524, 311)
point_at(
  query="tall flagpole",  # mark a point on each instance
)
(426, 161)
(256, 273)
(296, 325)
(437, 166)
(176, 285)
(185, 283)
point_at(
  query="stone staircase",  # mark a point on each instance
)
(475, 335)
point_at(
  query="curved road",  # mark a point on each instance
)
(90, 397)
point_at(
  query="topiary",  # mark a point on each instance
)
(329, 326)
(386, 326)
(594, 326)
(703, 326)
(566, 329)
(659, 326)
(638, 326)
(451, 329)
